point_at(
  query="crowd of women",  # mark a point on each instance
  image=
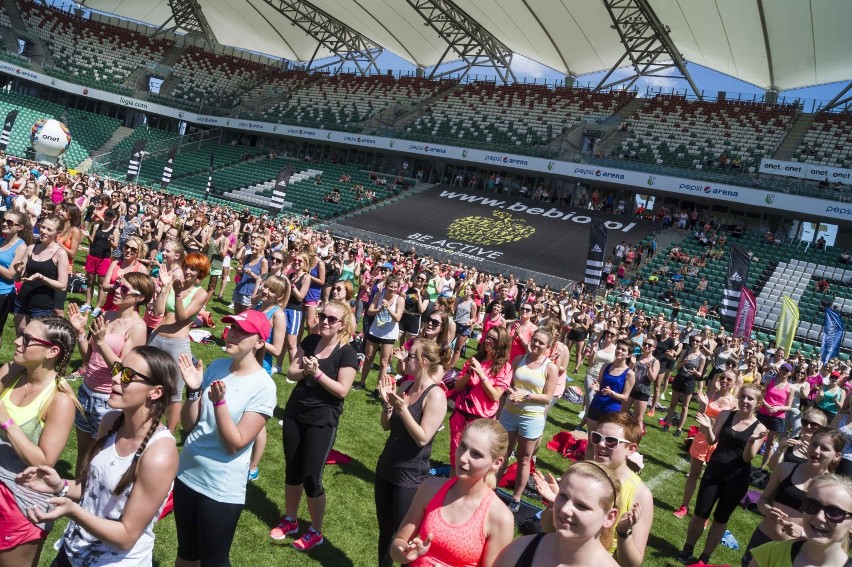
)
(154, 263)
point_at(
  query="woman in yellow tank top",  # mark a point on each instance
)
(35, 424)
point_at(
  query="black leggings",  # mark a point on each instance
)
(205, 527)
(306, 447)
(392, 503)
(7, 302)
(725, 494)
(61, 559)
(758, 538)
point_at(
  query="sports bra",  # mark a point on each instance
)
(526, 558)
(788, 493)
(170, 300)
(27, 417)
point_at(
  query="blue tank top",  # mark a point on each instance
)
(267, 357)
(247, 283)
(314, 291)
(6, 258)
(605, 403)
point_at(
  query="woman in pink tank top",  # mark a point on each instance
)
(460, 522)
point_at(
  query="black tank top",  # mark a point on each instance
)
(292, 302)
(526, 558)
(36, 294)
(727, 461)
(403, 462)
(788, 493)
(101, 246)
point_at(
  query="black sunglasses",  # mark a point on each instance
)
(809, 423)
(330, 318)
(833, 514)
(127, 374)
(27, 338)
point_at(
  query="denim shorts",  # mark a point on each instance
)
(528, 427)
(94, 409)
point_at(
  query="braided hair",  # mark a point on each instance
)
(63, 335)
(164, 372)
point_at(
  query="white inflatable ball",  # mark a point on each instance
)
(50, 137)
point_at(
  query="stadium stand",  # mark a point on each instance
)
(30, 110)
(828, 141)
(90, 132)
(341, 101)
(517, 115)
(207, 78)
(721, 135)
(88, 51)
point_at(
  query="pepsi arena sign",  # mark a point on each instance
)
(700, 188)
(602, 173)
(301, 132)
(360, 140)
(426, 149)
(506, 159)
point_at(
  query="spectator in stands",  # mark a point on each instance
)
(823, 286)
(844, 257)
(820, 244)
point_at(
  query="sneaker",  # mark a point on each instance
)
(662, 421)
(253, 475)
(665, 427)
(275, 370)
(663, 397)
(309, 540)
(681, 512)
(357, 386)
(96, 311)
(85, 308)
(231, 306)
(514, 506)
(650, 413)
(677, 432)
(581, 415)
(286, 526)
(661, 407)
(686, 559)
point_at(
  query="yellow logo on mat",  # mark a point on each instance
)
(501, 229)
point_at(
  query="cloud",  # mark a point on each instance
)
(525, 67)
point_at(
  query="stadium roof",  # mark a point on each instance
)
(773, 44)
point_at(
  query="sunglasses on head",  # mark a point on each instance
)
(330, 318)
(610, 441)
(833, 514)
(128, 374)
(27, 338)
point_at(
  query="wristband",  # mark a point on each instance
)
(64, 490)
(319, 375)
(5, 425)
(193, 395)
(219, 403)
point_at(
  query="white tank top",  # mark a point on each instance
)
(105, 471)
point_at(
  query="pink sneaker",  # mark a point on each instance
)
(681, 512)
(287, 526)
(309, 540)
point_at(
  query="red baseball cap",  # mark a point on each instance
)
(251, 321)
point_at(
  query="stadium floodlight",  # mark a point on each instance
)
(345, 44)
(647, 43)
(187, 15)
(466, 39)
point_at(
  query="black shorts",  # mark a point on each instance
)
(683, 384)
(409, 323)
(774, 424)
(639, 394)
(666, 365)
(463, 330)
(377, 341)
(577, 335)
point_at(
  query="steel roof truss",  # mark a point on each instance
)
(188, 16)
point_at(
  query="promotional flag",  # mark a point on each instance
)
(745, 314)
(738, 266)
(135, 159)
(210, 176)
(788, 323)
(597, 250)
(168, 168)
(832, 335)
(280, 189)
(6, 135)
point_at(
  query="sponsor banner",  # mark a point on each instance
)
(832, 336)
(210, 174)
(6, 135)
(738, 266)
(479, 227)
(788, 323)
(279, 192)
(135, 159)
(634, 180)
(597, 252)
(745, 314)
(806, 171)
(168, 168)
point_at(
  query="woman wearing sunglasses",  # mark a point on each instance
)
(823, 536)
(690, 371)
(111, 337)
(227, 406)
(36, 417)
(781, 501)
(645, 368)
(133, 252)
(521, 331)
(45, 274)
(726, 478)
(17, 236)
(480, 385)
(125, 479)
(323, 369)
(603, 353)
(613, 386)
(795, 450)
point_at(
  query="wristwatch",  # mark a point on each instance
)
(625, 534)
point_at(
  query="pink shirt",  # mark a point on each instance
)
(775, 396)
(475, 401)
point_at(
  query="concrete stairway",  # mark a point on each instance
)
(791, 142)
(250, 194)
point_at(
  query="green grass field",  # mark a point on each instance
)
(350, 524)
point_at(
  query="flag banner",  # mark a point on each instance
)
(168, 168)
(597, 250)
(745, 314)
(832, 336)
(210, 175)
(788, 323)
(6, 135)
(135, 159)
(280, 189)
(738, 267)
